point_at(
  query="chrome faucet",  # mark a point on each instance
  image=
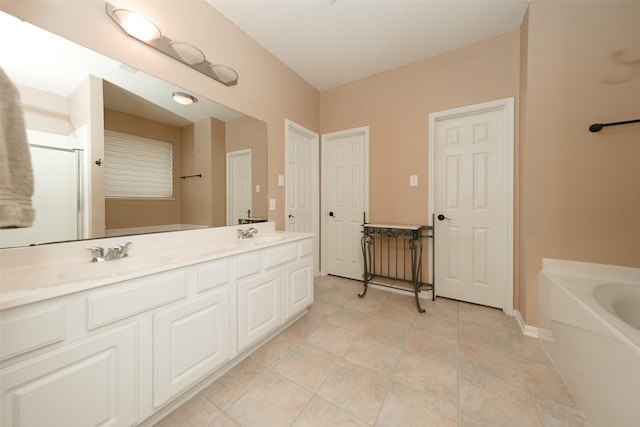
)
(245, 234)
(100, 254)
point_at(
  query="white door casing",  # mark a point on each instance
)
(345, 198)
(302, 178)
(471, 184)
(239, 191)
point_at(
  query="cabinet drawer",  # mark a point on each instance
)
(27, 328)
(136, 296)
(305, 248)
(213, 274)
(247, 264)
(279, 255)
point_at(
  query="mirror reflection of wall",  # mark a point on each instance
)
(247, 134)
(75, 95)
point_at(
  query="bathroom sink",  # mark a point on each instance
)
(262, 239)
(130, 264)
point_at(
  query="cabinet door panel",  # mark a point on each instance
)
(299, 287)
(86, 384)
(190, 341)
(259, 307)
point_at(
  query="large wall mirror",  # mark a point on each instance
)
(76, 100)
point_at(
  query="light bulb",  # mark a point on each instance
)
(136, 25)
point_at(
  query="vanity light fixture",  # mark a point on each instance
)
(184, 98)
(136, 25)
(143, 29)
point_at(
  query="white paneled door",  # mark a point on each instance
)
(346, 198)
(302, 197)
(239, 191)
(472, 186)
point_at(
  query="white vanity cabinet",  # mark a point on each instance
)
(274, 284)
(298, 293)
(88, 383)
(192, 338)
(126, 352)
(75, 360)
(259, 306)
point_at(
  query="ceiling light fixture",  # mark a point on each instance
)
(143, 29)
(184, 98)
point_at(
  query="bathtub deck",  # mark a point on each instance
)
(596, 352)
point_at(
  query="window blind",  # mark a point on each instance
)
(137, 167)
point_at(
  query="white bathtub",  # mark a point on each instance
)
(590, 325)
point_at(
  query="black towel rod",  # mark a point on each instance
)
(199, 175)
(597, 127)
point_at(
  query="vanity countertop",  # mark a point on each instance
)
(33, 274)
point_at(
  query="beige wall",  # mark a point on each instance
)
(577, 193)
(267, 89)
(249, 133)
(219, 172)
(519, 296)
(204, 199)
(124, 213)
(580, 191)
(85, 113)
(396, 106)
(44, 111)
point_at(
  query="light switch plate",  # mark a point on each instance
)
(272, 204)
(257, 188)
(281, 180)
(413, 180)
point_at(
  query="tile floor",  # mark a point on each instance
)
(377, 362)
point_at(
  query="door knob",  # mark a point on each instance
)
(331, 213)
(442, 217)
(291, 216)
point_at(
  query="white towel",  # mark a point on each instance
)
(16, 176)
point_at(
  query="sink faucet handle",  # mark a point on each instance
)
(245, 234)
(123, 248)
(96, 252)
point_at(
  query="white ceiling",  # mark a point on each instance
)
(331, 43)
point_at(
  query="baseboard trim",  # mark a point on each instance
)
(528, 330)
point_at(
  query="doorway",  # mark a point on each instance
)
(345, 199)
(239, 194)
(471, 196)
(303, 188)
